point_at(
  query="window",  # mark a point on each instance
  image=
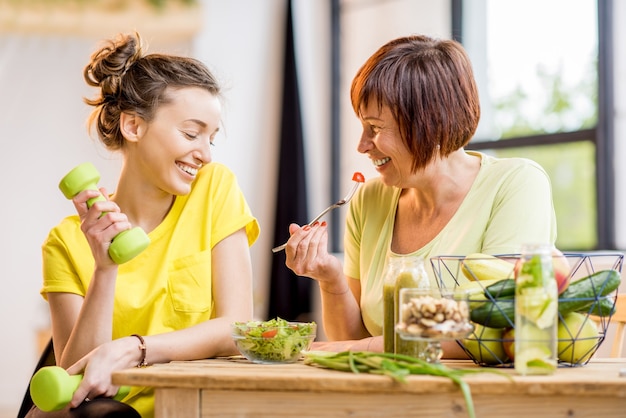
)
(543, 74)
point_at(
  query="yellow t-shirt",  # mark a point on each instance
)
(508, 205)
(168, 286)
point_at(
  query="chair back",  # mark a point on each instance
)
(46, 359)
(619, 319)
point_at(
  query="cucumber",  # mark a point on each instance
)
(582, 293)
(603, 307)
(500, 289)
(499, 313)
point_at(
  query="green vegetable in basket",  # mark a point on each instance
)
(605, 306)
(581, 294)
(499, 313)
(501, 288)
(588, 294)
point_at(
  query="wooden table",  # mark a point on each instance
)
(234, 387)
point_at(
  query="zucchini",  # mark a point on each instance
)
(499, 313)
(500, 289)
(481, 267)
(581, 294)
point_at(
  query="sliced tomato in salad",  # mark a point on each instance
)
(270, 333)
(358, 177)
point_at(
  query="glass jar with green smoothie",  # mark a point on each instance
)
(401, 271)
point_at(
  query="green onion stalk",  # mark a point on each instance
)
(396, 366)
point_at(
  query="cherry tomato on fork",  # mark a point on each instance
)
(358, 177)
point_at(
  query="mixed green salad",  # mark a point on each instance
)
(273, 341)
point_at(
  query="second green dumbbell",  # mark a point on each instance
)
(52, 388)
(127, 244)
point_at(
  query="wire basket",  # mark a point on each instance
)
(581, 330)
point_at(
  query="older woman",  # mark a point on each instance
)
(417, 101)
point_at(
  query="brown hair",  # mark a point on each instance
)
(132, 82)
(428, 84)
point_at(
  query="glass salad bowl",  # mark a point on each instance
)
(273, 342)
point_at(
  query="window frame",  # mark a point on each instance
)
(602, 135)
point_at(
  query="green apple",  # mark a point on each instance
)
(578, 336)
(485, 345)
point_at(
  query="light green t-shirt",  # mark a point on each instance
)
(508, 205)
(168, 286)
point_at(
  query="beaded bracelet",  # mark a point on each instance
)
(142, 347)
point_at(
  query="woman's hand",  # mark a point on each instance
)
(98, 365)
(100, 223)
(307, 253)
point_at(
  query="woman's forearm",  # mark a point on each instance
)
(94, 324)
(341, 313)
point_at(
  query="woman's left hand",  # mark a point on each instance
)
(97, 367)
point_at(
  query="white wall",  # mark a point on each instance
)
(245, 51)
(42, 125)
(366, 26)
(43, 136)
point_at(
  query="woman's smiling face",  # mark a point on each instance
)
(177, 142)
(382, 143)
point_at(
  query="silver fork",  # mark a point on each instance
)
(335, 205)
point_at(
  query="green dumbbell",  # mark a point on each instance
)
(127, 244)
(52, 388)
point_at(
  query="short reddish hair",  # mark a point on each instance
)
(428, 84)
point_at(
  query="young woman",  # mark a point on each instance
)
(177, 298)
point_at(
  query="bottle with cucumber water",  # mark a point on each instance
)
(536, 312)
(401, 271)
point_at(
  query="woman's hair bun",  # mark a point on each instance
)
(109, 64)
